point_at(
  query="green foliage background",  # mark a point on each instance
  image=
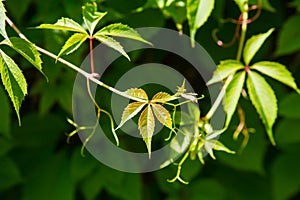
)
(37, 163)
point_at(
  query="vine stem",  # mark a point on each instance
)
(92, 56)
(72, 66)
(238, 58)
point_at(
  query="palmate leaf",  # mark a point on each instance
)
(224, 69)
(2, 20)
(91, 16)
(264, 100)
(13, 81)
(112, 43)
(73, 43)
(277, 71)
(162, 115)
(198, 12)
(27, 50)
(130, 111)
(121, 30)
(146, 126)
(253, 45)
(64, 24)
(233, 93)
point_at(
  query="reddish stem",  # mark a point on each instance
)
(92, 56)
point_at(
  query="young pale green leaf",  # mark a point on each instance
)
(146, 126)
(130, 111)
(198, 12)
(232, 96)
(110, 42)
(253, 45)
(240, 4)
(91, 16)
(2, 20)
(64, 24)
(73, 43)
(138, 93)
(194, 111)
(121, 30)
(162, 115)
(289, 41)
(27, 50)
(264, 100)
(13, 81)
(209, 145)
(163, 97)
(224, 69)
(277, 71)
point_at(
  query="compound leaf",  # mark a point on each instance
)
(264, 100)
(91, 16)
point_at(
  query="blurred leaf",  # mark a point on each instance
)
(288, 41)
(9, 173)
(5, 146)
(198, 12)
(289, 106)
(162, 115)
(277, 71)
(232, 96)
(296, 4)
(73, 43)
(4, 114)
(93, 184)
(130, 111)
(224, 69)
(146, 126)
(64, 24)
(27, 50)
(254, 44)
(2, 20)
(176, 9)
(287, 132)
(285, 176)
(264, 100)
(121, 30)
(13, 81)
(240, 4)
(265, 5)
(91, 16)
(112, 43)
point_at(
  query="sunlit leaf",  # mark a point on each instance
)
(163, 97)
(13, 81)
(198, 12)
(91, 16)
(130, 111)
(264, 100)
(162, 115)
(253, 45)
(277, 71)
(289, 41)
(224, 69)
(211, 145)
(146, 126)
(112, 43)
(73, 43)
(138, 93)
(233, 93)
(27, 50)
(2, 20)
(121, 30)
(240, 4)
(64, 24)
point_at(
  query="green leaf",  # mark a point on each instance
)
(64, 24)
(233, 93)
(224, 69)
(177, 11)
(138, 93)
(253, 45)
(146, 126)
(194, 111)
(289, 106)
(110, 42)
(9, 173)
(162, 115)
(27, 50)
(264, 100)
(2, 20)
(240, 4)
(130, 111)
(4, 114)
(13, 81)
(198, 12)
(289, 41)
(287, 133)
(209, 145)
(162, 97)
(91, 16)
(121, 30)
(73, 43)
(265, 5)
(278, 72)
